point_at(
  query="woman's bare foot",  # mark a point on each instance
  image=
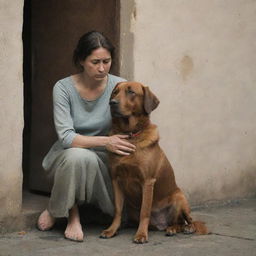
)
(74, 230)
(45, 221)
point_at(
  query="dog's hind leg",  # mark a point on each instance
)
(192, 226)
(189, 228)
(177, 226)
(197, 227)
(179, 216)
(184, 222)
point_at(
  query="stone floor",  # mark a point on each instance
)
(233, 228)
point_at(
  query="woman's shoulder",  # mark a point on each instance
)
(64, 82)
(113, 80)
(64, 85)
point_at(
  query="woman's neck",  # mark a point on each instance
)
(89, 83)
(88, 88)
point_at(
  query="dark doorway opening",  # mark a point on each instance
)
(26, 38)
(50, 32)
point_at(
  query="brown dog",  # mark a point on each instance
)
(145, 178)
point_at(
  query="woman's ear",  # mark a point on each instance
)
(150, 100)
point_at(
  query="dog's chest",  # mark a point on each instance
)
(128, 168)
(129, 173)
(138, 166)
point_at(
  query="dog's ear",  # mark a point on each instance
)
(150, 100)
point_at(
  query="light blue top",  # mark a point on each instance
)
(75, 115)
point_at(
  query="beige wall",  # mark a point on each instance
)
(199, 58)
(11, 107)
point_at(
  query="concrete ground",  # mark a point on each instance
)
(233, 228)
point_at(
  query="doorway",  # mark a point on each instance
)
(50, 32)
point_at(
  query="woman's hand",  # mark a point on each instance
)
(119, 145)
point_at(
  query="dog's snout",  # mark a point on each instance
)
(113, 102)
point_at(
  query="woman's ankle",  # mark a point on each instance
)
(74, 215)
(74, 229)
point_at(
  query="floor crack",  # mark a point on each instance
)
(237, 237)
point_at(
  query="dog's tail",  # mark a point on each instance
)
(200, 228)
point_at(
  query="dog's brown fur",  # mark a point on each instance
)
(145, 178)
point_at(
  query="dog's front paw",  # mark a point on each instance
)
(171, 231)
(140, 238)
(108, 233)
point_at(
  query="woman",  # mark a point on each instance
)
(78, 160)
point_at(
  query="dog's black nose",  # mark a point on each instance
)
(113, 102)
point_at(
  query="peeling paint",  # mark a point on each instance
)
(127, 27)
(133, 18)
(186, 67)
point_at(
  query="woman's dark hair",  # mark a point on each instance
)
(88, 43)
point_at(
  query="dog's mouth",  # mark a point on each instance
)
(115, 111)
(116, 114)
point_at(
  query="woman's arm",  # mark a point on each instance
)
(115, 143)
(62, 118)
(70, 138)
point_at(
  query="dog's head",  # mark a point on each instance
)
(132, 98)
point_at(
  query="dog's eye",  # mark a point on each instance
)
(131, 92)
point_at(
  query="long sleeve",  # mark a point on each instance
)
(62, 116)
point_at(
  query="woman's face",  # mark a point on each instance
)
(97, 65)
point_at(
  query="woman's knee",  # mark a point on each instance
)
(79, 155)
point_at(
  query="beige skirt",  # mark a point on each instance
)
(80, 176)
